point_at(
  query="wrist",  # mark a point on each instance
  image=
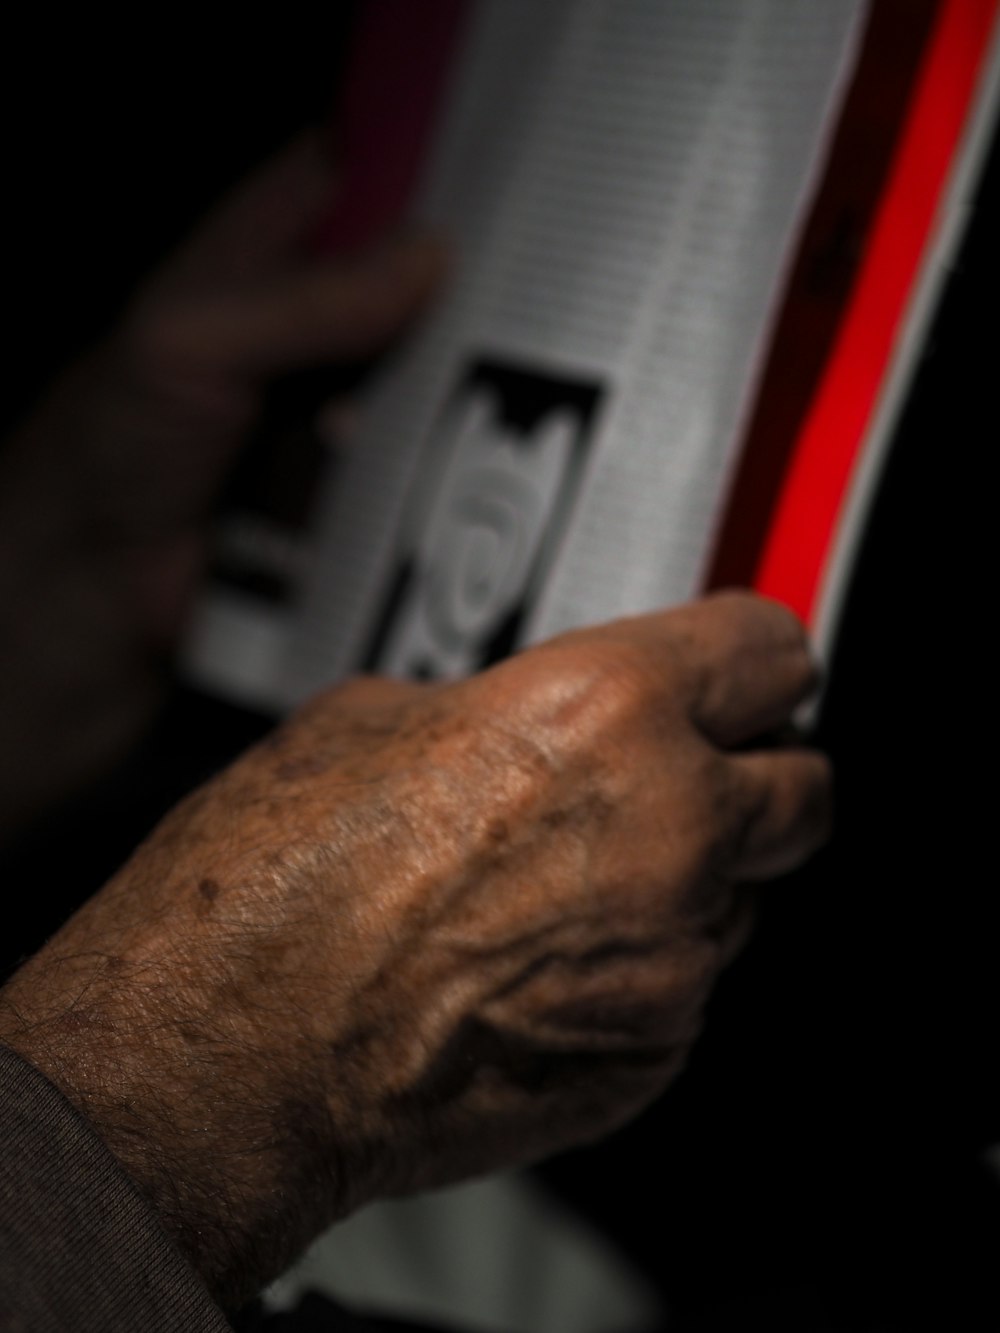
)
(210, 1144)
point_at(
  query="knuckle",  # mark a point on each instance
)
(621, 690)
(603, 688)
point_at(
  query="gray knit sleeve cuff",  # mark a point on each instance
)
(80, 1248)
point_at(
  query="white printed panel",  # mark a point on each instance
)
(483, 520)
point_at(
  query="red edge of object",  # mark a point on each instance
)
(830, 444)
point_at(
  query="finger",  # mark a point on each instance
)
(785, 804)
(319, 313)
(749, 663)
(263, 220)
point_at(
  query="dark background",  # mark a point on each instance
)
(820, 1164)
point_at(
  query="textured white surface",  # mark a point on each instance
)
(497, 1255)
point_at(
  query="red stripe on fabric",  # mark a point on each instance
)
(829, 446)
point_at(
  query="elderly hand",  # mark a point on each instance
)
(425, 931)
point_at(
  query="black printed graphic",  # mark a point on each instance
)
(484, 520)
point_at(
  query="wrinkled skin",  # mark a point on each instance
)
(427, 931)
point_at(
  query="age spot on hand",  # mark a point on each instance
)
(208, 889)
